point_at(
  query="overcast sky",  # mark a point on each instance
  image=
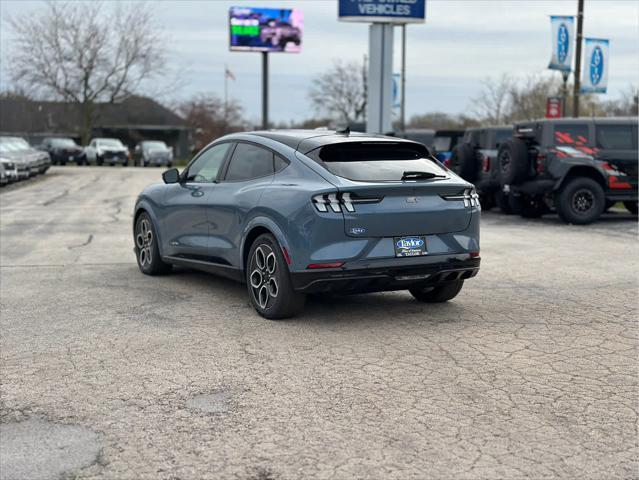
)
(461, 43)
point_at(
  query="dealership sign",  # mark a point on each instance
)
(562, 41)
(382, 11)
(595, 74)
(265, 29)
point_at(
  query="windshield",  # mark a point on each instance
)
(62, 142)
(369, 162)
(110, 142)
(154, 146)
(14, 144)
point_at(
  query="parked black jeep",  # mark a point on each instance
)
(579, 166)
(475, 159)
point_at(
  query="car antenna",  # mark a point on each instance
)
(344, 130)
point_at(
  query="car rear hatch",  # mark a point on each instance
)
(394, 189)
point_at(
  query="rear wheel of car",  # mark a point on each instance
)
(513, 161)
(527, 207)
(268, 281)
(501, 200)
(464, 162)
(631, 207)
(438, 293)
(146, 247)
(580, 201)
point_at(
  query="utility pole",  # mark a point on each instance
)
(402, 114)
(577, 83)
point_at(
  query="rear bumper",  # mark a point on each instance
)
(391, 274)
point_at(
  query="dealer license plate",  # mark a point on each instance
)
(410, 246)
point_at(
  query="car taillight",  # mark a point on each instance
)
(540, 163)
(486, 163)
(338, 201)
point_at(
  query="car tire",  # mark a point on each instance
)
(268, 281)
(438, 293)
(513, 162)
(501, 200)
(125, 164)
(99, 161)
(169, 165)
(526, 206)
(631, 207)
(147, 251)
(463, 162)
(580, 201)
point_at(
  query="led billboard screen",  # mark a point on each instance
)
(266, 29)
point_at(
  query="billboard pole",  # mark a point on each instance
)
(265, 90)
(577, 83)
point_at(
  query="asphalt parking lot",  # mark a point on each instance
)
(530, 372)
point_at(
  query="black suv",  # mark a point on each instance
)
(475, 159)
(580, 166)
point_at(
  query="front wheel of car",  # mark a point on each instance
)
(147, 251)
(438, 293)
(268, 281)
(580, 201)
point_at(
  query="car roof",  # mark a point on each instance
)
(308, 140)
(492, 127)
(584, 120)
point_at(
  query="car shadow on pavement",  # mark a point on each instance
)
(366, 308)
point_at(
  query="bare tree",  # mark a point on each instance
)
(86, 53)
(211, 118)
(492, 103)
(341, 91)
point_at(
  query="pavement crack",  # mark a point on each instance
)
(71, 247)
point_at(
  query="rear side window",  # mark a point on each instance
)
(249, 161)
(370, 162)
(571, 134)
(615, 137)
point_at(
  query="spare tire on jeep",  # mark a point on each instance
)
(464, 162)
(513, 161)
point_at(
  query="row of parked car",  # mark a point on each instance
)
(19, 160)
(107, 151)
(578, 167)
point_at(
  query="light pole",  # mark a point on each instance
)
(402, 112)
(577, 83)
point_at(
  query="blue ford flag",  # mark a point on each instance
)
(562, 41)
(595, 69)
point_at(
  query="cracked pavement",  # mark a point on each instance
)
(531, 372)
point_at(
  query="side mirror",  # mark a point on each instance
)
(171, 176)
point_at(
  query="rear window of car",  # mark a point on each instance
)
(442, 144)
(501, 136)
(615, 137)
(376, 162)
(571, 134)
(62, 142)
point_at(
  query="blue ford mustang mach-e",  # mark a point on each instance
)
(308, 211)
